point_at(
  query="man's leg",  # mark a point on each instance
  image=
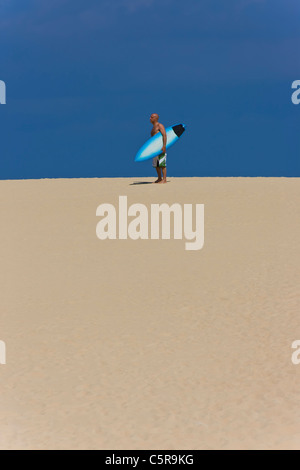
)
(158, 174)
(163, 165)
(155, 164)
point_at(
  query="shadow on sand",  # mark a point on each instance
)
(143, 182)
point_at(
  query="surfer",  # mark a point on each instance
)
(159, 162)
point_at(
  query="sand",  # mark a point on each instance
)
(140, 344)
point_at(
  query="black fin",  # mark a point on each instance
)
(179, 129)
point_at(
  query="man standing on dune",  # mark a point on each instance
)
(159, 162)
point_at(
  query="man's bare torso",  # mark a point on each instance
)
(155, 129)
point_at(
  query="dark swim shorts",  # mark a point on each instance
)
(160, 161)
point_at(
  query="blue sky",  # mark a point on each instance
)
(83, 78)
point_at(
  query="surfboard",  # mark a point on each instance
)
(153, 146)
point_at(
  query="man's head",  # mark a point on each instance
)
(154, 118)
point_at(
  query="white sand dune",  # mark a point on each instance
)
(123, 344)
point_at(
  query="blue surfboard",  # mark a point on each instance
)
(153, 146)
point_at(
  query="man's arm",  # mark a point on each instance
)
(164, 135)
